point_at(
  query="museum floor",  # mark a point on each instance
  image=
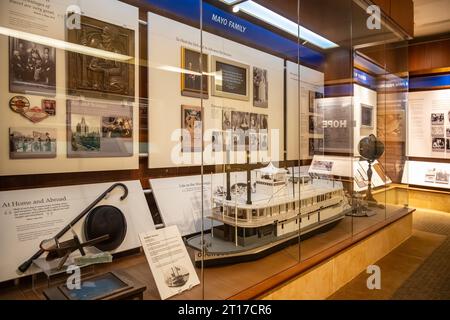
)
(417, 269)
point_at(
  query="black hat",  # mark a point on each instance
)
(106, 220)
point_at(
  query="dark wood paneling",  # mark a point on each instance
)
(429, 55)
(385, 5)
(402, 12)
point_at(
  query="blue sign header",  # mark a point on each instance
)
(225, 24)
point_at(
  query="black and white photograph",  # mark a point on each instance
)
(99, 130)
(31, 68)
(176, 276)
(323, 165)
(32, 143)
(442, 177)
(448, 145)
(437, 118)
(192, 77)
(255, 122)
(447, 132)
(437, 131)
(260, 88)
(238, 140)
(226, 120)
(264, 122)
(438, 144)
(313, 96)
(217, 141)
(230, 79)
(367, 116)
(191, 124)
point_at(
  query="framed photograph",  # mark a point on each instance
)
(32, 143)
(32, 68)
(315, 146)
(230, 79)
(191, 77)
(437, 118)
(100, 77)
(367, 116)
(192, 125)
(448, 145)
(99, 130)
(260, 88)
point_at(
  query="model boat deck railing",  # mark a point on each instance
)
(252, 222)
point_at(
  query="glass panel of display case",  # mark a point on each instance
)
(381, 95)
(251, 214)
(326, 131)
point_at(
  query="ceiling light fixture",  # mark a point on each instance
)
(274, 19)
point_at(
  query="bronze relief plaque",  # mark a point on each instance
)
(102, 75)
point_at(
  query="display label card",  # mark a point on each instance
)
(27, 217)
(186, 211)
(429, 174)
(169, 261)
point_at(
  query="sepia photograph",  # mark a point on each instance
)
(264, 122)
(263, 142)
(448, 145)
(226, 120)
(437, 131)
(253, 141)
(255, 122)
(191, 123)
(31, 68)
(447, 132)
(32, 143)
(315, 146)
(85, 131)
(315, 124)
(438, 144)
(437, 118)
(442, 177)
(117, 127)
(193, 83)
(260, 88)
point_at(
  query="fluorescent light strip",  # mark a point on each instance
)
(230, 2)
(63, 45)
(262, 13)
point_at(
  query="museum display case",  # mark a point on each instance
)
(206, 148)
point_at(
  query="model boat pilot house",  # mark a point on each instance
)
(218, 149)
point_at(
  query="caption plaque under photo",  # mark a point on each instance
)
(230, 79)
(102, 77)
(99, 130)
(194, 83)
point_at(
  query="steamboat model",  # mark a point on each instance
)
(250, 221)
